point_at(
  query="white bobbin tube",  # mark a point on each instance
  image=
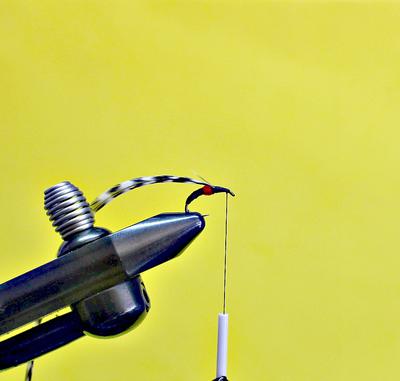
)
(222, 352)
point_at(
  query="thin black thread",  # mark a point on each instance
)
(226, 250)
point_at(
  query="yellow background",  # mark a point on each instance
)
(293, 105)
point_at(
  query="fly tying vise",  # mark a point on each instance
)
(97, 273)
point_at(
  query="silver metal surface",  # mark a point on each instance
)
(96, 266)
(68, 209)
(156, 240)
(115, 310)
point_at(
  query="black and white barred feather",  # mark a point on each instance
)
(126, 186)
(30, 364)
